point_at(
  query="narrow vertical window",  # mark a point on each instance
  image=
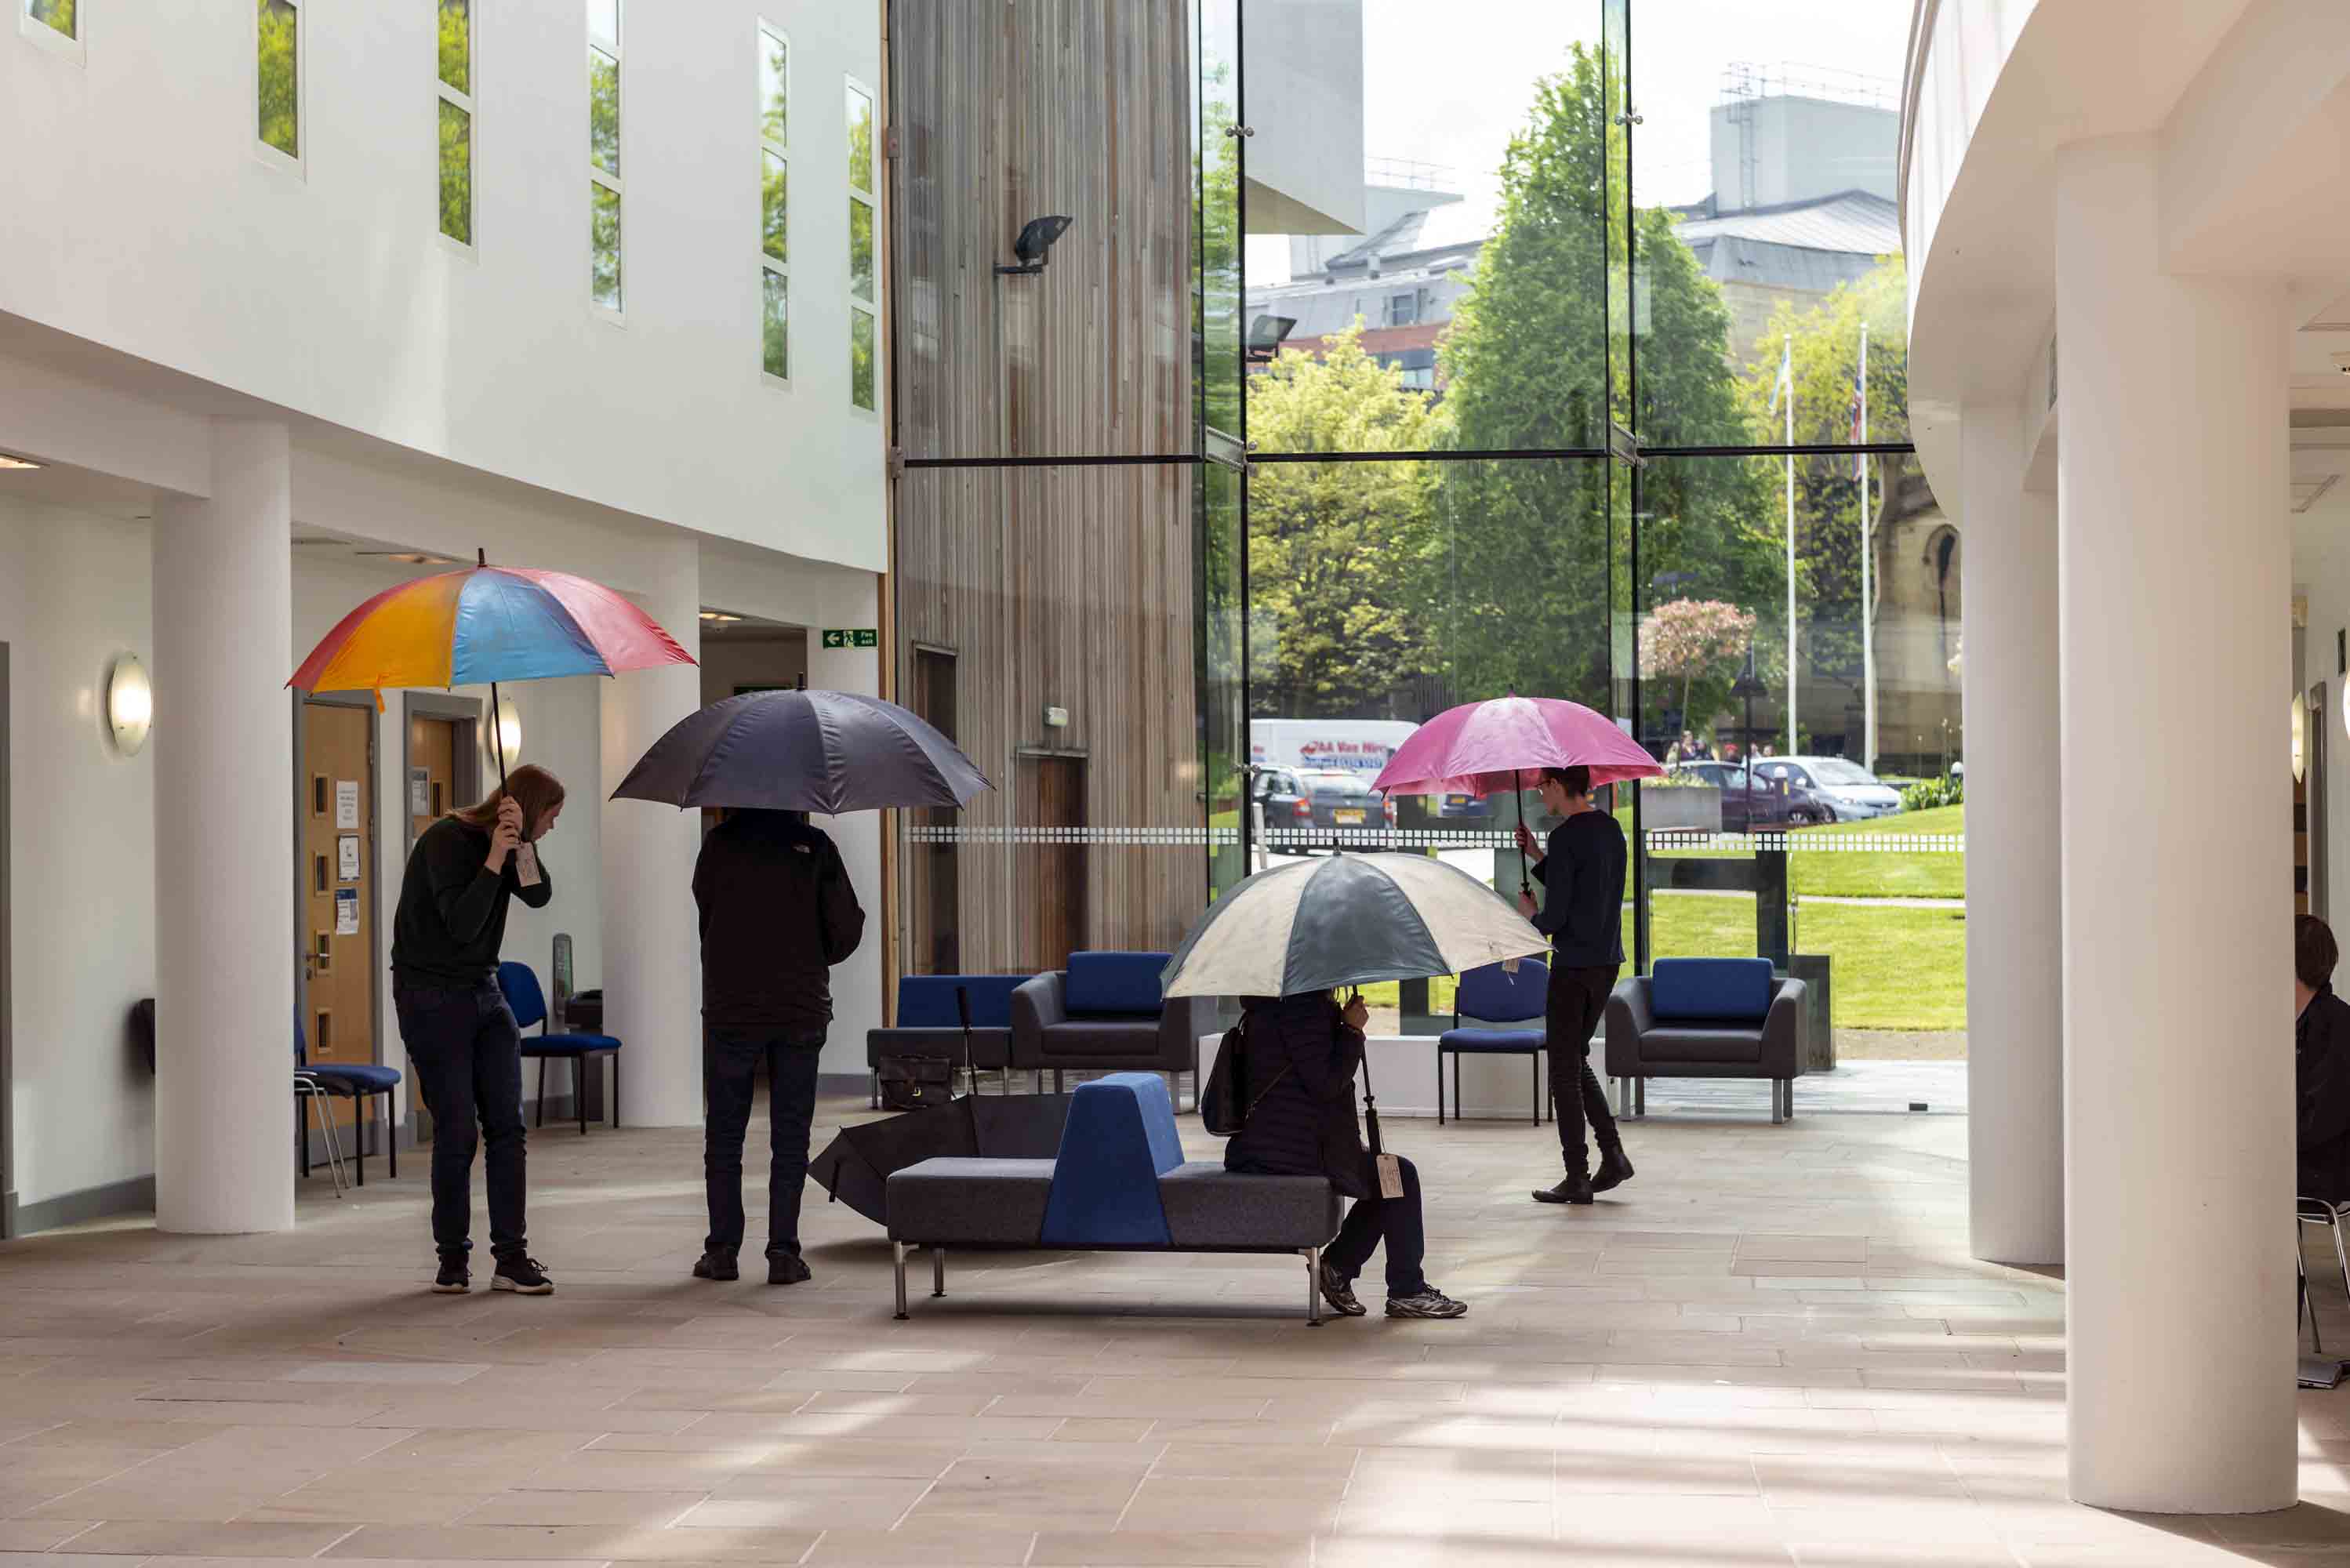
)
(604, 153)
(278, 75)
(57, 16)
(863, 290)
(456, 90)
(774, 203)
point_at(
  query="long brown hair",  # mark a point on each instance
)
(530, 787)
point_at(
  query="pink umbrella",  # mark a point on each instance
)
(1484, 748)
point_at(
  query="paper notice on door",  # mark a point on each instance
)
(525, 864)
(347, 911)
(346, 858)
(419, 792)
(347, 804)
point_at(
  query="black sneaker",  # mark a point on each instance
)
(1430, 1303)
(1340, 1293)
(788, 1269)
(1614, 1170)
(1575, 1189)
(524, 1277)
(716, 1266)
(454, 1279)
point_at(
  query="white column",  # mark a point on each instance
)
(223, 742)
(652, 952)
(857, 985)
(2015, 993)
(2174, 616)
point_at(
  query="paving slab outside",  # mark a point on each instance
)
(1770, 1347)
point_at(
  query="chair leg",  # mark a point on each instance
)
(897, 1252)
(1313, 1287)
(1534, 1071)
(390, 1137)
(1460, 1109)
(1640, 1098)
(1439, 1087)
(615, 1090)
(299, 1097)
(938, 1272)
(2334, 1225)
(2301, 1303)
(359, 1131)
(542, 1091)
(1777, 1104)
(579, 1089)
(874, 1091)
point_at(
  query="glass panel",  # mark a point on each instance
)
(604, 244)
(604, 110)
(604, 20)
(55, 14)
(456, 173)
(775, 87)
(457, 44)
(862, 373)
(860, 249)
(278, 76)
(774, 338)
(773, 208)
(1217, 256)
(861, 140)
(1223, 716)
(1446, 195)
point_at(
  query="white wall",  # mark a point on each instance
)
(75, 593)
(136, 212)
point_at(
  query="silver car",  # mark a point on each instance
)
(1851, 791)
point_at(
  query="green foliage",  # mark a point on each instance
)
(276, 77)
(775, 333)
(774, 90)
(1217, 258)
(457, 44)
(1926, 795)
(456, 173)
(604, 244)
(863, 389)
(57, 13)
(860, 249)
(774, 207)
(861, 140)
(603, 110)
(1347, 558)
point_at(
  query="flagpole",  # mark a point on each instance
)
(1867, 593)
(1787, 387)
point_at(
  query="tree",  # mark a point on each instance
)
(1697, 642)
(275, 79)
(1345, 558)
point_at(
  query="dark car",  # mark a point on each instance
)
(1775, 802)
(1308, 801)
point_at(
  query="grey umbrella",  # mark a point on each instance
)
(827, 752)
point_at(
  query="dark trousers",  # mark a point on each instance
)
(1577, 1000)
(1394, 1221)
(468, 1058)
(730, 1063)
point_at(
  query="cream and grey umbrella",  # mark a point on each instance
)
(1347, 920)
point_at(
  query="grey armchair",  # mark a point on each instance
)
(1104, 1011)
(1708, 1018)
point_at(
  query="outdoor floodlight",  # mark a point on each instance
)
(1267, 334)
(1037, 237)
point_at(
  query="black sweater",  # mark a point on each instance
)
(453, 912)
(2321, 1052)
(777, 912)
(1583, 879)
(1299, 1094)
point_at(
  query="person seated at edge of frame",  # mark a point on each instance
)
(1300, 1120)
(2321, 1065)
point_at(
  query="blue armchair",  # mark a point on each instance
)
(1490, 995)
(528, 1004)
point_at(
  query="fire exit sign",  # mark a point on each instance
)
(852, 637)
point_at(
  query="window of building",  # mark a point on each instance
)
(863, 295)
(457, 110)
(774, 203)
(1403, 309)
(277, 76)
(604, 188)
(53, 24)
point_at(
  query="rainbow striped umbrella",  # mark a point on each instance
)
(484, 624)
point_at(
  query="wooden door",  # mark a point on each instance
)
(431, 772)
(1056, 892)
(337, 924)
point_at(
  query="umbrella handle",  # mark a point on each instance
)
(498, 734)
(1525, 884)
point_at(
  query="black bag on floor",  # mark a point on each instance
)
(910, 1083)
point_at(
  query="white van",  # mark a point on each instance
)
(1327, 745)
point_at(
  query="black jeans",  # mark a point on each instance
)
(1576, 1002)
(468, 1058)
(730, 1060)
(1394, 1221)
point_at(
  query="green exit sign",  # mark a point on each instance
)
(852, 637)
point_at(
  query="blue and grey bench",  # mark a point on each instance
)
(1119, 1183)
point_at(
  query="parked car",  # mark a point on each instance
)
(1851, 791)
(1774, 802)
(1312, 799)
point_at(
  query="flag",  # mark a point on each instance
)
(1859, 416)
(1783, 387)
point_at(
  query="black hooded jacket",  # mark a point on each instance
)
(2321, 1074)
(777, 912)
(1299, 1094)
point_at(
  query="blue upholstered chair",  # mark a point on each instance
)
(357, 1082)
(1490, 995)
(1707, 1018)
(930, 1024)
(1105, 1011)
(528, 1004)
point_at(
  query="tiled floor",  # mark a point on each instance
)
(1768, 1348)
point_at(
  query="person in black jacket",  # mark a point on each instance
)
(2321, 1065)
(1298, 1103)
(1582, 874)
(777, 912)
(459, 1031)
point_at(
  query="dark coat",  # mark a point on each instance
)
(1299, 1094)
(777, 912)
(2321, 1054)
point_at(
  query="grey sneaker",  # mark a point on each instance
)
(1430, 1303)
(524, 1277)
(1340, 1293)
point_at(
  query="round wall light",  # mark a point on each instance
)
(509, 733)
(130, 704)
(2300, 737)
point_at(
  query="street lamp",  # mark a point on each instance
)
(1747, 688)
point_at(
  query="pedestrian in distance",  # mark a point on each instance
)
(1582, 873)
(2321, 1065)
(460, 1034)
(777, 912)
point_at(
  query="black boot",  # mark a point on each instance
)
(1614, 1169)
(1575, 1189)
(717, 1266)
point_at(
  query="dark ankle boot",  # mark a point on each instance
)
(1575, 1189)
(1614, 1169)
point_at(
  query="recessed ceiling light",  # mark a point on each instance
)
(720, 618)
(7, 461)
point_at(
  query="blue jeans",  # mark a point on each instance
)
(468, 1058)
(730, 1061)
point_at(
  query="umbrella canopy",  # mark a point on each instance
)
(484, 624)
(854, 1167)
(803, 751)
(1486, 748)
(1348, 919)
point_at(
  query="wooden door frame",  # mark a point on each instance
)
(466, 761)
(372, 862)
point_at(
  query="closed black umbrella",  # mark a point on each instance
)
(827, 752)
(855, 1167)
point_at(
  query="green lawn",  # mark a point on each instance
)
(1895, 968)
(1873, 874)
